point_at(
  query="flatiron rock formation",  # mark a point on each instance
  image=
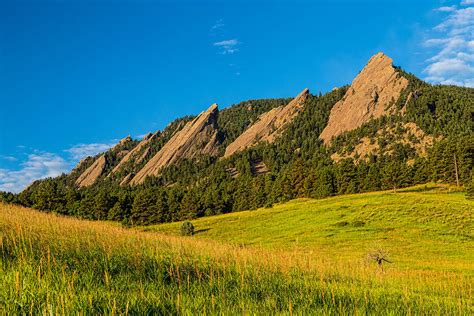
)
(371, 95)
(138, 152)
(269, 125)
(91, 174)
(199, 136)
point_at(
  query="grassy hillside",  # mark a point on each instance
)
(426, 226)
(305, 256)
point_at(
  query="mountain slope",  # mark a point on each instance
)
(268, 126)
(386, 131)
(198, 137)
(373, 93)
(140, 150)
(91, 174)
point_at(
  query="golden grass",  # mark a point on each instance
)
(67, 265)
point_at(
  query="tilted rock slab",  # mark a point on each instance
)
(371, 95)
(91, 174)
(269, 125)
(200, 136)
(145, 141)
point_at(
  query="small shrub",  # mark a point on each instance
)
(358, 223)
(342, 223)
(187, 229)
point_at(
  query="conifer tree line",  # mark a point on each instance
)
(299, 164)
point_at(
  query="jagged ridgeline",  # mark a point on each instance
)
(386, 130)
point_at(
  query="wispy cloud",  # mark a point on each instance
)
(38, 165)
(217, 28)
(227, 46)
(446, 9)
(8, 158)
(141, 136)
(80, 151)
(452, 43)
(224, 45)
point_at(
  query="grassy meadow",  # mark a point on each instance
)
(300, 257)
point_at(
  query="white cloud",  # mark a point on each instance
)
(446, 9)
(39, 165)
(227, 46)
(8, 158)
(81, 151)
(218, 27)
(141, 136)
(452, 43)
(467, 2)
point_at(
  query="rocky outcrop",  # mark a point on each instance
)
(126, 179)
(372, 94)
(91, 174)
(269, 125)
(122, 143)
(199, 136)
(138, 152)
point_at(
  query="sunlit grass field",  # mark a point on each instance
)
(301, 257)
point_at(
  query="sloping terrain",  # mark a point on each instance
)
(200, 136)
(268, 126)
(385, 141)
(372, 94)
(91, 174)
(435, 216)
(137, 152)
(301, 257)
(424, 133)
(101, 164)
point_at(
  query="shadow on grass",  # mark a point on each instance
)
(422, 189)
(201, 230)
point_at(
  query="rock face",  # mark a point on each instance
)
(132, 154)
(370, 96)
(91, 174)
(200, 136)
(269, 125)
(122, 142)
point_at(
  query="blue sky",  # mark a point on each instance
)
(76, 76)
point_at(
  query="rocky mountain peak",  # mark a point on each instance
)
(198, 137)
(269, 125)
(371, 95)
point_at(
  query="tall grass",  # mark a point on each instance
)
(58, 265)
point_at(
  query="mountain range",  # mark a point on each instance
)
(388, 129)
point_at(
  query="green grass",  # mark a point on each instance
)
(425, 226)
(301, 257)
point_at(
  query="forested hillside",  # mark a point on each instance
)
(424, 134)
